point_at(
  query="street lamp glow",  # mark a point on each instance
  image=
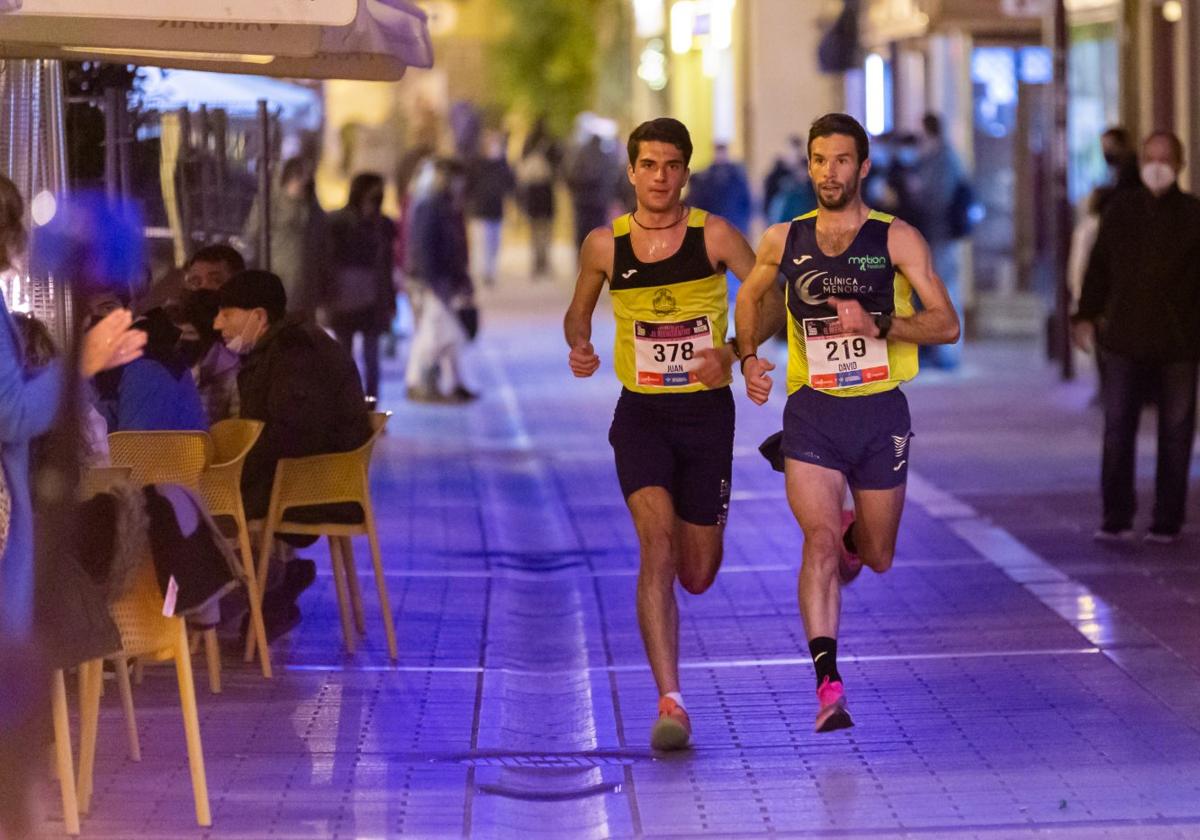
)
(649, 21)
(1172, 11)
(721, 12)
(683, 26)
(43, 207)
(875, 95)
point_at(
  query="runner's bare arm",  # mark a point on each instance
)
(760, 312)
(595, 262)
(727, 248)
(937, 323)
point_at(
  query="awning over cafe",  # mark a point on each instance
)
(384, 38)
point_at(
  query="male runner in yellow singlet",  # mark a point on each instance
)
(852, 339)
(672, 432)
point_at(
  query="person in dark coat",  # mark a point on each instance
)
(1141, 305)
(298, 381)
(723, 188)
(489, 182)
(536, 172)
(362, 298)
(304, 387)
(437, 264)
(590, 179)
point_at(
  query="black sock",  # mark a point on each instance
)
(824, 654)
(848, 539)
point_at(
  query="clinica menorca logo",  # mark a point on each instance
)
(867, 263)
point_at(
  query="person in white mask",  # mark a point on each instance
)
(1140, 310)
(304, 387)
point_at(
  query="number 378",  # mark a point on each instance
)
(848, 349)
(683, 351)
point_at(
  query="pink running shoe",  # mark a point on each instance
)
(849, 565)
(673, 729)
(833, 714)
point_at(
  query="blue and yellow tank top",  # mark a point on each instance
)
(819, 355)
(666, 311)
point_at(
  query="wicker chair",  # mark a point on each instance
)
(144, 632)
(329, 479)
(170, 458)
(221, 489)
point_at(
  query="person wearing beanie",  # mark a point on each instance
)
(305, 389)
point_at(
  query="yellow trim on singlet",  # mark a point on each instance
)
(687, 300)
(902, 355)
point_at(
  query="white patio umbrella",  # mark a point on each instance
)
(384, 39)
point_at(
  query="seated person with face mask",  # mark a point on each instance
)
(153, 393)
(305, 388)
(214, 366)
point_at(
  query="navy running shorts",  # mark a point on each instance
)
(682, 442)
(864, 438)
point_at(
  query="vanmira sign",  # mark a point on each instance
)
(312, 12)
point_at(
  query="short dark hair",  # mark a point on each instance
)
(660, 130)
(1172, 138)
(219, 253)
(254, 289)
(1119, 135)
(832, 124)
(362, 184)
(932, 124)
(293, 168)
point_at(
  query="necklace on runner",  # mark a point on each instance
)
(682, 214)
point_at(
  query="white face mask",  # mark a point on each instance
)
(1158, 177)
(243, 342)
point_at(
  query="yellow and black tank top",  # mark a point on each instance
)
(845, 366)
(666, 311)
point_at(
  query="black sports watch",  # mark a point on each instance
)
(883, 323)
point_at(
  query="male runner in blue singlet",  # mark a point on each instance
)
(852, 339)
(672, 432)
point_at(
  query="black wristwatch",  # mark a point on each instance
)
(883, 323)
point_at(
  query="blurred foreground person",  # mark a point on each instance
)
(672, 433)
(362, 298)
(1140, 309)
(853, 333)
(29, 404)
(440, 285)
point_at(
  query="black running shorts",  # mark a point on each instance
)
(682, 442)
(864, 438)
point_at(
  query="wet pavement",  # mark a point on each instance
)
(1008, 677)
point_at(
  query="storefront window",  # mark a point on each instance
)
(1092, 78)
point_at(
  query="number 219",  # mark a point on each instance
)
(856, 348)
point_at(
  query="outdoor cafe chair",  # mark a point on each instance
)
(331, 479)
